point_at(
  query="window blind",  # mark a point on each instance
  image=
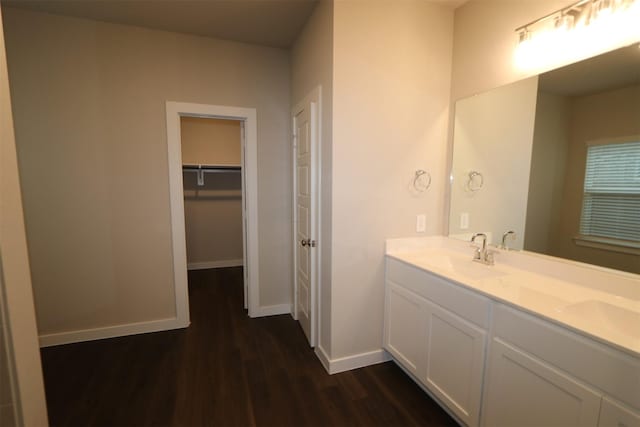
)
(611, 205)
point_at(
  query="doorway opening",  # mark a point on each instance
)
(212, 186)
(185, 168)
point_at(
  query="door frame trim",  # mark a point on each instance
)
(249, 166)
(314, 99)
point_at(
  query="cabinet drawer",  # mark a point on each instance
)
(615, 372)
(453, 297)
(614, 415)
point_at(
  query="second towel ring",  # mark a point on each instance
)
(422, 180)
(475, 182)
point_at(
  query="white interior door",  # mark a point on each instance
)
(305, 220)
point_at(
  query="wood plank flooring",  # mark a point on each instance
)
(224, 370)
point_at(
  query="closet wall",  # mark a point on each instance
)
(213, 212)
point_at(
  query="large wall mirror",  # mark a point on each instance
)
(556, 159)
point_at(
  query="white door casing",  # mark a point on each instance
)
(249, 165)
(245, 270)
(305, 214)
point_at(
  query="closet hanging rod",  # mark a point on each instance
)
(211, 168)
(200, 170)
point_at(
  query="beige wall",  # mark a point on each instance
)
(599, 116)
(210, 141)
(493, 135)
(485, 40)
(546, 181)
(312, 66)
(19, 321)
(392, 65)
(213, 212)
(89, 102)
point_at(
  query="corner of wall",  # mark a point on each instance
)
(15, 283)
(312, 66)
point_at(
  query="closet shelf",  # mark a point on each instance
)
(202, 169)
(211, 168)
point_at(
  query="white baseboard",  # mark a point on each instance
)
(347, 363)
(59, 338)
(48, 340)
(324, 358)
(215, 264)
(271, 310)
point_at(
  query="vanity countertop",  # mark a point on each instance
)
(594, 301)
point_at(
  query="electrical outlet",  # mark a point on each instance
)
(421, 223)
(464, 220)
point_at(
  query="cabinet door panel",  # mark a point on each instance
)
(524, 391)
(405, 328)
(613, 414)
(455, 362)
(614, 372)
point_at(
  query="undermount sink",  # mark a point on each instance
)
(457, 264)
(610, 316)
(531, 297)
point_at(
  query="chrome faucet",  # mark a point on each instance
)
(482, 254)
(504, 245)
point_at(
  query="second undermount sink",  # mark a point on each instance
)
(607, 315)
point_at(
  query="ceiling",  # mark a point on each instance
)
(275, 23)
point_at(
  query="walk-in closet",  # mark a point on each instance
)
(212, 183)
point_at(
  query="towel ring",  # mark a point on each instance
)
(422, 180)
(475, 182)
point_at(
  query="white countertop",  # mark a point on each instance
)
(601, 303)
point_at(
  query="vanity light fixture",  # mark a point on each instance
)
(578, 31)
(564, 21)
(524, 35)
(601, 8)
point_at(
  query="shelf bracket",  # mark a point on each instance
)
(200, 176)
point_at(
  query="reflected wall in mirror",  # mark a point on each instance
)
(493, 133)
(530, 140)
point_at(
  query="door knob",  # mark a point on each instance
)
(308, 242)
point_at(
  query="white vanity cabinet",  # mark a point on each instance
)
(437, 331)
(496, 365)
(540, 374)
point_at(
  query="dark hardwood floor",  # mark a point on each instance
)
(226, 370)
